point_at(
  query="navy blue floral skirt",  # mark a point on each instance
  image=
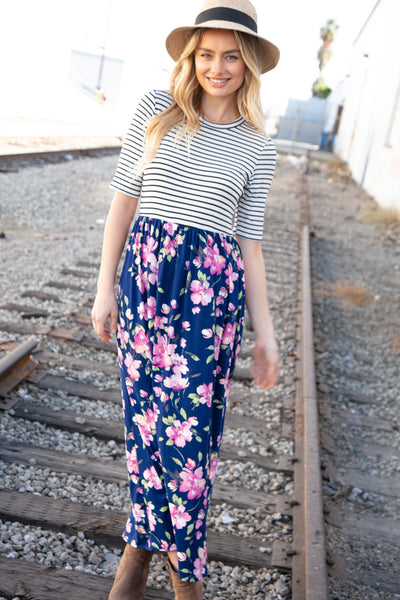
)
(181, 307)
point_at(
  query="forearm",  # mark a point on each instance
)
(256, 291)
(116, 229)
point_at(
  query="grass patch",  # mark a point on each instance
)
(351, 293)
(374, 215)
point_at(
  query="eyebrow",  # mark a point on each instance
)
(226, 52)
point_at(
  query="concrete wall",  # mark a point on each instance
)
(369, 134)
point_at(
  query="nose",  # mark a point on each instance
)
(217, 67)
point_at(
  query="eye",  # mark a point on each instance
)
(205, 55)
(232, 57)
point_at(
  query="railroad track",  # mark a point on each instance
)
(44, 364)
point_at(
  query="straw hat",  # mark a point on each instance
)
(239, 15)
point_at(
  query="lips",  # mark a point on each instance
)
(217, 82)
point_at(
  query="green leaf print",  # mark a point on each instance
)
(176, 500)
(177, 461)
(183, 413)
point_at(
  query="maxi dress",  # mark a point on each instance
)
(181, 308)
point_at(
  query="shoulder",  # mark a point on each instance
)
(153, 102)
(263, 148)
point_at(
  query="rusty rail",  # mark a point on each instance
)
(16, 366)
(309, 572)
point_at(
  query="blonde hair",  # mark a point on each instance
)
(186, 92)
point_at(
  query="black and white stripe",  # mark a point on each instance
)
(220, 184)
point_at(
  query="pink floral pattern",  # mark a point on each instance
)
(181, 305)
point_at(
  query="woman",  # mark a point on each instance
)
(198, 159)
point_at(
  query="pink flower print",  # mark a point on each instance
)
(141, 529)
(147, 310)
(146, 424)
(231, 307)
(171, 331)
(174, 304)
(162, 353)
(205, 392)
(148, 249)
(152, 521)
(186, 325)
(228, 336)
(231, 277)
(128, 527)
(141, 343)
(183, 343)
(142, 282)
(152, 478)
(214, 260)
(202, 293)
(180, 365)
(132, 366)
(169, 246)
(200, 564)
(152, 416)
(137, 512)
(160, 322)
(157, 391)
(190, 464)
(199, 535)
(129, 314)
(176, 382)
(180, 432)
(196, 310)
(217, 346)
(165, 309)
(212, 472)
(129, 389)
(182, 556)
(164, 547)
(132, 461)
(173, 486)
(207, 333)
(197, 262)
(170, 228)
(179, 517)
(192, 482)
(122, 335)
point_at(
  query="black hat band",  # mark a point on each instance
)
(227, 14)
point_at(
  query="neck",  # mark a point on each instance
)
(219, 110)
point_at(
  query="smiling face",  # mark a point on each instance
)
(219, 65)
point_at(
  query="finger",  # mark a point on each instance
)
(113, 321)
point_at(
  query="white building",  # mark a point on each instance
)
(369, 133)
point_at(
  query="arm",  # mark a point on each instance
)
(116, 229)
(265, 355)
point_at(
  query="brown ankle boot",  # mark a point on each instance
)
(131, 578)
(183, 589)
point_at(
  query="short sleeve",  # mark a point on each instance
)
(251, 207)
(132, 150)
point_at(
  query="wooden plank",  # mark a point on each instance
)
(385, 486)
(74, 387)
(368, 449)
(281, 463)
(23, 328)
(115, 472)
(105, 526)
(344, 416)
(363, 524)
(31, 580)
(347, 570)
(25, 311)
(61, 285)
(51, 358)
(76, 273)
(45, 296)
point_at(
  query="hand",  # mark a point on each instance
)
(266, 365)
(105, 307)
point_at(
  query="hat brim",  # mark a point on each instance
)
(178, 38)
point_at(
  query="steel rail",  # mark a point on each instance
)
(309, 571)
(16, 365)
(60, 152)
